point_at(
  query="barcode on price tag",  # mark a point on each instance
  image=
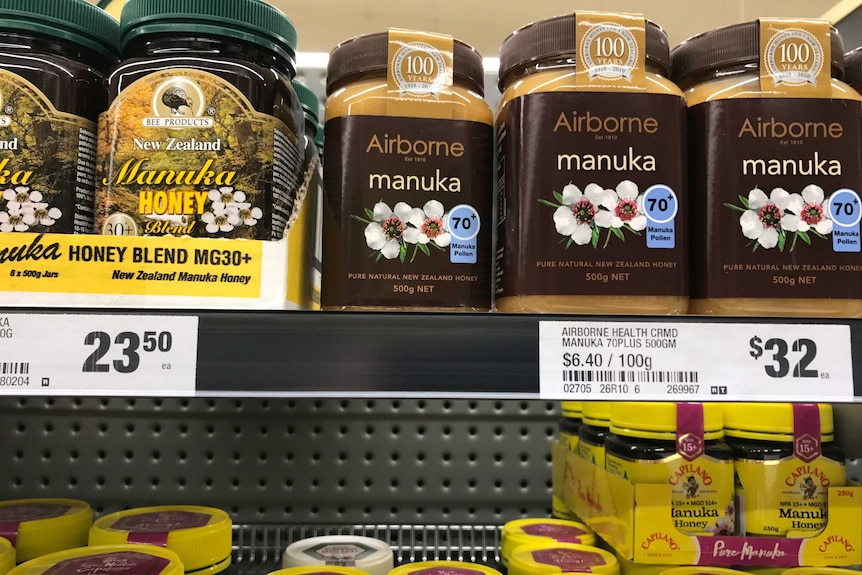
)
(695, 361)
(80, 354)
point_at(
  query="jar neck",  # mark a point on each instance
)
(561, 64)
(199, 44)
(24, 42)
(380, 75)
(738, 69)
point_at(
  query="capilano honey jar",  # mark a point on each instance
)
(591, 169)
(785, 458)
(774, 138)
(204, 136)
(408, 177)
(53, 57)
(680, 445)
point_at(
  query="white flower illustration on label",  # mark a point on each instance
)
(419, 69)
(770, 221)
(25, 209)
(609, 51)
(229, 210)
(581, 216)
(794, 57)
(390, 232)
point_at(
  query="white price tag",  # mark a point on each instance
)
(77, 354)
(694, 361)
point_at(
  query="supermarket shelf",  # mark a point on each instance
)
(247, 354)
(257, 549)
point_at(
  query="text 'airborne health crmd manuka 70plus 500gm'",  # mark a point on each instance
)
(774, 170)
(204, 136)
(53, 57)
(591, 169)
(408, 177)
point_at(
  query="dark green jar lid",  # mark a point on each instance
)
(73, 20)
(309, 101)
(318, 139)
(252, 21)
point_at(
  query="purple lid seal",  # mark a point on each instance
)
(689, 430)
(807, 444)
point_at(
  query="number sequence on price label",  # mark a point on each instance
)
(42, 354)
(694, 361)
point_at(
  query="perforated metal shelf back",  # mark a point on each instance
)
(286, 461)
(260, 547)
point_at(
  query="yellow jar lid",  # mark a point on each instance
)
(548, 559)
(120, 559)
(597, 413)
(7, 556)
(572, 409)
(319, 570)
(770, 421)
(696, 570)
(38, 527)
(542, 531)
(658, 419)
(201, 536)
(443, 568)
(819, 571)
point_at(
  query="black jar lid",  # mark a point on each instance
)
(555, 38)
(369, 54)
(72, 20)
(853, 68)
(734, 45)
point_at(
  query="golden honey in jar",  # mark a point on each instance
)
(774, 170)
(591, 169)
(409, 175)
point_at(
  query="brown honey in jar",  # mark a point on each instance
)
(408, 179)
(774, 138)
(591, 169)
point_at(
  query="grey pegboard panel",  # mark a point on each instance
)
(286, 461)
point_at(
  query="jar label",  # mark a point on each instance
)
(807, 444)
(689, 430)
(611, 50)
(786, 495)
(780, 211)
(591, 195)
(447, 570)
(119, 563)
(161, 521)
(569, 560)
(407, 213)
(555, 531)
(47, 163)
(183, 152)
(420, 63)
(343, 554)
(702, 495)
(12, 516)
(595, 454)
(795, 58)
